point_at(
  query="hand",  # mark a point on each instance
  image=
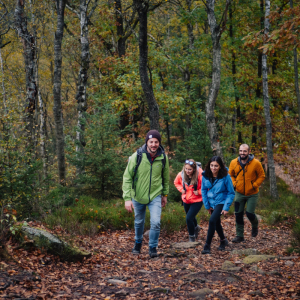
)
(196, 192)
(224, 212)
(129, 206)
(210, 211)
(163, 201)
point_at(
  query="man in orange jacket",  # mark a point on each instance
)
(247, 175)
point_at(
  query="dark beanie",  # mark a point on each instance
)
(153, 134)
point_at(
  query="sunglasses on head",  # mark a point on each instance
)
(189, 162)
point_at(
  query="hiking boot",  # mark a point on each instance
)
(197, 231)
(137, 248)
(223, 244)
(152, 252)
(206, 249)
(254, 232)
(192, 238)
(238, 239)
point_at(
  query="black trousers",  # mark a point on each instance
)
(191, 211)
(215, 224)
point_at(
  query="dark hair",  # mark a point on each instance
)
(222, 172)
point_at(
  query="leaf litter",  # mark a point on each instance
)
(113, 272)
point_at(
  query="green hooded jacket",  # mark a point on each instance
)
(148, 179)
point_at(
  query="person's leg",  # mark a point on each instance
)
(214, 218)
(191, 212)
(250, 212)
(155, 213)
(219, 228)
(139, 220)
(239, 206)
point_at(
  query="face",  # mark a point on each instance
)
(153, 145)
(244, 152)
(188, 170)
(214, 167)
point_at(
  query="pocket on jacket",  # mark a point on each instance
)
(239, 187)
(253, 186)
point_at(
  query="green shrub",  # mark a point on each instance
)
(105, 156)
(275, 211)
(89, 216)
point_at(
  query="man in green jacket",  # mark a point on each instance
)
(147, 185)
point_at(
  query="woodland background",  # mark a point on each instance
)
(83, 81)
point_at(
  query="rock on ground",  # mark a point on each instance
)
(43, 239)
(200, 294)
(186, 245)
(256, 258)
(246, 252)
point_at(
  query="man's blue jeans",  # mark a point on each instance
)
(140, 213)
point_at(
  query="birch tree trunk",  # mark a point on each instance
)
(142, 9)
(216, 31)
(57, 109)
(29, 47)
(271, 165)
(81, 95)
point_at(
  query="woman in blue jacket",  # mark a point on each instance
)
(218, 194)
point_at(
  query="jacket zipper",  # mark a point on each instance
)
(150, 182)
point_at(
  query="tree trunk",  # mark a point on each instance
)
(237, 110)
(43, 151)
(142, 9)
(271, 165)
(29, 47)
(57, 109)
(81, 95)
(216, 32)
(3, 85)
(296, 73)
(120, 28)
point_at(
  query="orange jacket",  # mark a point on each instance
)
(189, 197)
(247, 181)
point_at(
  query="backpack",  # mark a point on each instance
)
(138, 162)
(199, 165)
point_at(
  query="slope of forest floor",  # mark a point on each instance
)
(114, 273)
(287, 167)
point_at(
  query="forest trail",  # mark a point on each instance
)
(114, 273)
(287, 168)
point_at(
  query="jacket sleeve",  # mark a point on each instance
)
(204, 191)
(166, 175)
(260, 175)
(200, 180)
(232, 173)
(127, 178)
(178, 182)
(230, 193)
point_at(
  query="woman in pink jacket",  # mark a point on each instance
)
(188, 183)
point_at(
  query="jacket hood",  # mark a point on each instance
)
(160, 150)
(250, 157)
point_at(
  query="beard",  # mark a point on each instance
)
(150, 150)
(245, 157)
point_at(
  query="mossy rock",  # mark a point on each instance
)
(45, 240)
(257, 258)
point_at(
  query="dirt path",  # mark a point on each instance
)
(114, 273)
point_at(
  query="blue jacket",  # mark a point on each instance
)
(220, 192)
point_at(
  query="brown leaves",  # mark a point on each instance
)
(114, 273)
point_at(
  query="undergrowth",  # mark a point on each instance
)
(88, 216)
